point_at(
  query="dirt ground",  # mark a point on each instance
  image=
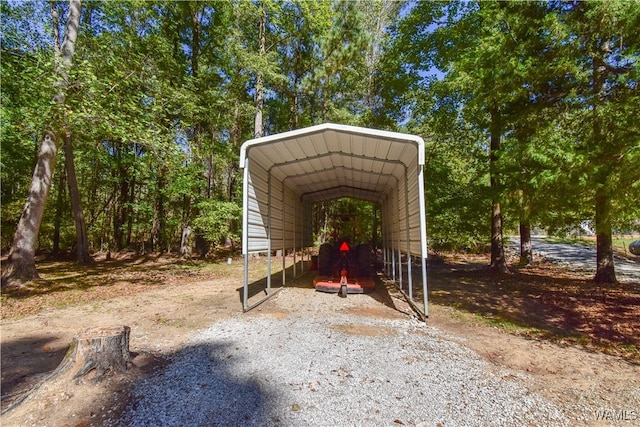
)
(164, 301)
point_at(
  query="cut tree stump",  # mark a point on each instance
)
(103, 349)
(99, 351)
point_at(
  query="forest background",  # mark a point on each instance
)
(133, 112)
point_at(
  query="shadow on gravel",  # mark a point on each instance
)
(196, 386)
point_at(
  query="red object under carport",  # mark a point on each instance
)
(360, 285)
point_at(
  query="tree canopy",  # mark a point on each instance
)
(529, 112)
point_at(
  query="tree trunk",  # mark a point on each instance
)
(258, 122)
(293, 109)
(120, 216)
(185, 243)
(498, 261)
(232, 166)
(58, 218)
(82, 243)
(122, 210)
(196, 27)
(21, 264)
(68, 48)
(526, 251)
(131, 200)
(605, 272)
(63, 63)
(158, 240)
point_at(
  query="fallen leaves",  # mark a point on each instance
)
(543, 301)
(66, 283)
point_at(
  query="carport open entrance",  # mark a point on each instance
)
(346, 221)
(286, 174)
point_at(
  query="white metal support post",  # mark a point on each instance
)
(406, 216)
(385, 238)
(245, 233)
(269, 235)
(387, 241)
(393, 247)
(295, 232)
(399, 247)
(423, 239)
(302, 242)
(284, 251)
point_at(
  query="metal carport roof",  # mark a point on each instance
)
(286, 173)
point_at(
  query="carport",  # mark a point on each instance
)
(286, 173)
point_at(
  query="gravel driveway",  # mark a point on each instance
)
(581, 257)
(310, 369)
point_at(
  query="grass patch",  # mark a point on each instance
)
(509, 326)
(585, 241)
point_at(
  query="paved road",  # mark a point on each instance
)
(580, 257)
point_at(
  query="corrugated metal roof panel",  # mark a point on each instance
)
(330, 161)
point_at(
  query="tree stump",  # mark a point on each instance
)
(103, 349)
(100, 351)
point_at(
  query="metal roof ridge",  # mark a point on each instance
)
(337, 127)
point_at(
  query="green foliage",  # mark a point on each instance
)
(357, 221)
(161, 96)
(457, 196)
(534, 65)
(25, 98)
(606, 141)
(218, 220)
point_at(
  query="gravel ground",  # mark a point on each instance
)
(340, 370)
